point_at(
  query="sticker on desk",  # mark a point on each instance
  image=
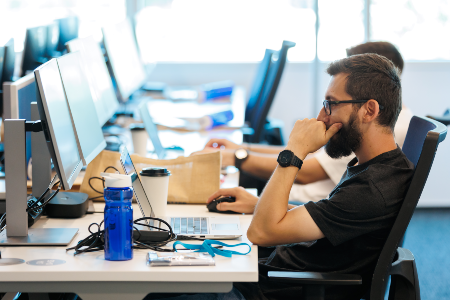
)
(46, 262)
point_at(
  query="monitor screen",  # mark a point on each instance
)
(139, 192)
(81, 105)
(57, 125)
(52, 40)
(124, 59)
(8, 62)
(34, 52)
(17, 98)
(105, 100)
(68, 30)
(151, 129)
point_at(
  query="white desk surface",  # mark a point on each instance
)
(92, 277)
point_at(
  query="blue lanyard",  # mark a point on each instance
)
(206, 247)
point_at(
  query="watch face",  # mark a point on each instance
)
(241, 153)
(285, 157)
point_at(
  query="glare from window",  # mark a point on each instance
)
(226, 30)
(420, 29)
(341, 26)
(18, 15)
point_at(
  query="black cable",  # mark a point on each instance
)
(103, 182)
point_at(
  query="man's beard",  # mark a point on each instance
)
(346, 141)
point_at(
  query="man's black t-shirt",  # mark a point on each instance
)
(355, 219)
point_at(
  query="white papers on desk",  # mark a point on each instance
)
(185, 115)
(168, 259)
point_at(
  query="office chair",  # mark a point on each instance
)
(258, 85)
(445, 119)
(258, 114)
(422, 140)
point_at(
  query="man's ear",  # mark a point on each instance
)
(371, 110)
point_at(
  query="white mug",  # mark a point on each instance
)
(140, 137)
(156, 186)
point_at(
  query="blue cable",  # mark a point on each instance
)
(206, 247)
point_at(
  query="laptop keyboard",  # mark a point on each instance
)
(189, 225)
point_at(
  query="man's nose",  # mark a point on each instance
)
(323, 116)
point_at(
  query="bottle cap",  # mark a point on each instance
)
(155, 172)
(116, 180)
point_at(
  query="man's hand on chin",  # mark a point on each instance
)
(309, 135)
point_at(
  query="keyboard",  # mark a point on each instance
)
(189, 225)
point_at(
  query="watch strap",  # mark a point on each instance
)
(297, 162)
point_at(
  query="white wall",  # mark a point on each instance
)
(425, 91)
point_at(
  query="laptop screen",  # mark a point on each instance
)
(152, 130)
(141, 197)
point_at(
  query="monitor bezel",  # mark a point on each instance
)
(11, 91)
(113, 106)
(66, 180)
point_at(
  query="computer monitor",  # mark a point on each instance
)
(88, 131)
(152, 130)
(35, 49)
(56, 122)
(123, 57)
(52, 40)
(17, 98)
(9, 62)
(105, 99)
(68, 30)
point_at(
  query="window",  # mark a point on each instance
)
(420, 29)
(225, 30)
(341, 26)
(18, 15)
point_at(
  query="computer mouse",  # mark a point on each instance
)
(212, 206)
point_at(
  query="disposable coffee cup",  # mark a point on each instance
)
(139, 136)
(156, 186)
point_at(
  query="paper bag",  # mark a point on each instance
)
(193, 178)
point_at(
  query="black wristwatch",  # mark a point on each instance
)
(240, 155)
(287, 158)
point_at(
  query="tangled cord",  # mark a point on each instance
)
(103, 182)
(96, 240)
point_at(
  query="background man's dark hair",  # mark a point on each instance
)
(372, 76)
(385, 49)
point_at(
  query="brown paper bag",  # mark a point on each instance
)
(193, 178)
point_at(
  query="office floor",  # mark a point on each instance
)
(428, 239)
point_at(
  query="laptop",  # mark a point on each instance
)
(221, 227)
(152, 131)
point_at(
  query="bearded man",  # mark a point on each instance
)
(344, 233)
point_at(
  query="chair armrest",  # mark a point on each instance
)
(315, 278)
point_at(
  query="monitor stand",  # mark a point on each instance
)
(17, 232)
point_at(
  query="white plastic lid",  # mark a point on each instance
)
(116, 180)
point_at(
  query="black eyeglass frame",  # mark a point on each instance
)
(329, 102)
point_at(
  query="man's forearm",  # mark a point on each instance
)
(273, 203)
(267, 149)
(260, 165)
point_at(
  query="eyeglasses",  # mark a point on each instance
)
(327, 104)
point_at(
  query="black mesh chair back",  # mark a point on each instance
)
(261, 110)
(422, 140)
(258, 84)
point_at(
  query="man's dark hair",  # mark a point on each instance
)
(372, 76)
(385, 49)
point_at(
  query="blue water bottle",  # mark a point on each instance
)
(118, 195)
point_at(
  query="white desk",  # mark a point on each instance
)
(92, 277)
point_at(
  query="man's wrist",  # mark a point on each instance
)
(300, 153)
